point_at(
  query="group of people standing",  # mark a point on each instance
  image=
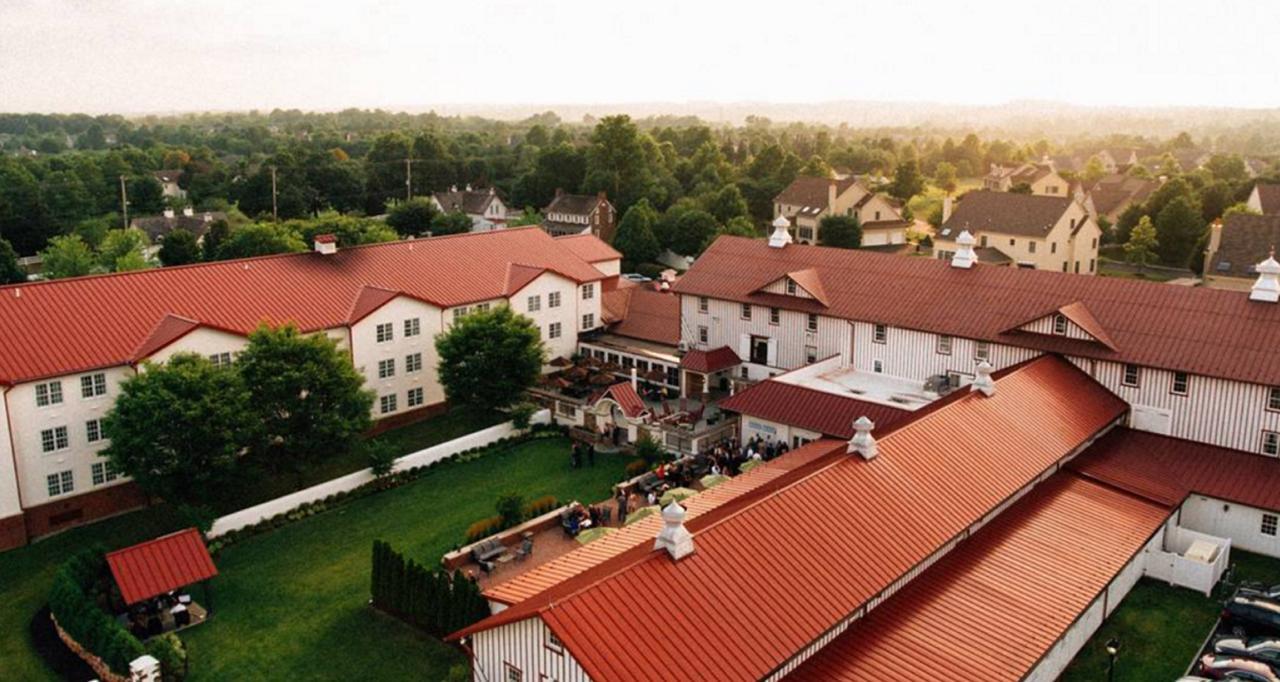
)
(581, 452)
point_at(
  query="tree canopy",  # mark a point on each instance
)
(635, 238)
(488, 358)
(842, 231)
(1141, 247)
(413, 217)
(10, 273)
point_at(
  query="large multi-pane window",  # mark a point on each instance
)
(553, 330)
(103, 472)
(93, 385)
(55, 439)
(93, 430)
(49, 393)
(412, 327)
(414, 397)
(413, 363)
(553, 299)
(1132, 375)
(385, 332)
(61, 483)
(387, 404)
(386, 368)
(535, 303)
(588, 291)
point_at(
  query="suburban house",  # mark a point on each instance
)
(1236, 245)
(807, 200)
(169, 183)
(1112, 194)
(1067, 163)
(1265, 199)
(1040, 232)
(382, 303)
(158, 226)
(484, 207)
(580, 214)
(1039, 177)
(1117, 160)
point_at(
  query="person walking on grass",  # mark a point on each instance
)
(591, 454)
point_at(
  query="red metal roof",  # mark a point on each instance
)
(99, 321)
(161, 565)
(589, 247)
(1202, 331)
(625, 395)
(990, 609)
(1167, 469)
(775, 569)
(640, 312)
(708, 361)
(809, 408)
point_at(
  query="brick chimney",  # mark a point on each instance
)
(326, 244)
(964, 256)
(1267, 288)
(831, 195)
(781, 233)
(674, 537)
(863, 443)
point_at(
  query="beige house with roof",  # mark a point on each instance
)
(1043, 233)
(1040, 177)
(807, 200)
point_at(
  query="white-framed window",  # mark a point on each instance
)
(1180, 383)
(943, 346)
(553, 643)
(588, 321)
(385, 332)
(775, 316)
(459, 313)
(534, 303)
(1060, 324)
(93, 385)
(1273, 399)
(1132, 375)
(93, 430)
(791, 287)
(481, 307)
(588, 291)
(567, 409)
(414, 397)
(981, 351)
(387, 404)
(877, 366)
(553, 299)
(879, 333)
(512, 674)
(1270, 443)
(412, 327)
(1269, 522)
(703, 304)
(553, 330)
(746, 311)
(103, 472)
(1031, 247)
(54, 439)
(702, 334)
(412, 363)
(61, 483)
(386, 368)
(220, 359)
(813, 322)
(810, 354)
(49, 393)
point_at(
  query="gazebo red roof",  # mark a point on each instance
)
(161, 565)
(709, 361)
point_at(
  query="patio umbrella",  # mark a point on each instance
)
(603, 380)
(590, 361)
(577, 373)
(593, 534)
(712, 480)
(675, 495)
(561, 362)
(611, 367)
(749, 465)
(641, 513)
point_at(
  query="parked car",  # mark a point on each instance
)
(1265, 649)
(637, 277)
(1236, 668)
(1244, 614)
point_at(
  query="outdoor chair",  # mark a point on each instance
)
(525, 550)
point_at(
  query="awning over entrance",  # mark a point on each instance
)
(709, 361)
(161, 565)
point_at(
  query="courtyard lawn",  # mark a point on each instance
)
(1161, 628)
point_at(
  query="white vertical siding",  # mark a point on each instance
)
(522, 645)
(1241, 523)
(725, 327)
(1044, 326)
(914, 354)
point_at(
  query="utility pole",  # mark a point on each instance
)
(124, 203)
(408, 179)
(275, 216)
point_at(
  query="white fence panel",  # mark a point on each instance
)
(435, 453)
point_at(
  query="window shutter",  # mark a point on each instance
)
(744, 346)
(773, 352)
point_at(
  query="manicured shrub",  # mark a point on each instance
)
(484, 528)
(433, 600)
(522, 414)
(510, 508)
(540, 505)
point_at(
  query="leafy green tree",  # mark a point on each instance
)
(260, 239)
(907, 181)
(1093, 170)
(123, 250)
(489, 358)
(65, 198)
(178, 428)
(738, 226)
(618, 162)
(1179, 226)
(529, 216)
(218, 232)
(1228, 168)
(338, 183)
(453, 222)
(1021, 188)
(694, 232)
(817, 167)
(10, 273)
(67, 256)
(94, 230)
(635, 238)
(727, 204)
(1141, 247)
(1129, 218)
(350, 230)
(944, 176)
(179, 247)
(307, 397)
(842, 231)
(22, 212)
(560, 167)
(146, 196)
(385, 170)
(413, 217)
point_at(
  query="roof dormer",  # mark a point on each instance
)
(800, 284)
(1072, 321)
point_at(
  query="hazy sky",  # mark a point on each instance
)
(167, 55)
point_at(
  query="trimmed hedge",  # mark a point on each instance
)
(77, 587)
(435, 601)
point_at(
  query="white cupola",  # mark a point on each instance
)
(1267, 288)
(983, 381)
(781, 232)
(674, 537)
(964, 256)
(863, 443)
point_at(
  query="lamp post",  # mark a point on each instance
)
(1113, 650)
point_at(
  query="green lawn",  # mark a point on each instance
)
(1160, 628)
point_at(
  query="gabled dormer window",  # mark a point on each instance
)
(1132, 375)
(791, 287)
(1060, 325)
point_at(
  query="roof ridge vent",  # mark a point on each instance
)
(1267, 288)
(983, 382)
(674, 537)
(964, 256)
(863, 443)
(781, 232)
